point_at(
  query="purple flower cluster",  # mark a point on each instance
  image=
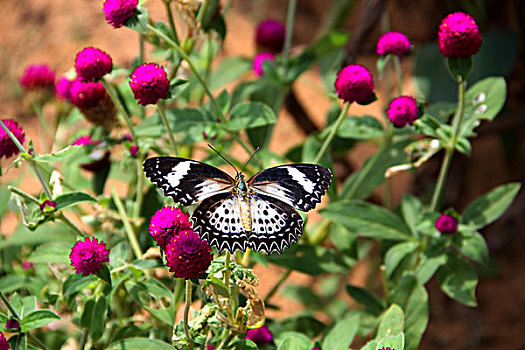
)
(7, 146)
(92, 64)
(149, 83)
(257, 65)
(166, 223)
(117, 12)
(88, 256)
(260, 336)
(354, 83)
(393, 42)
(403, 110)
(63, 88)
(187, 256)
(459, 36)
(447, 224)
(270, 35)
(37, 77)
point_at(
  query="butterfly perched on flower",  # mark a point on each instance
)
(236, 214)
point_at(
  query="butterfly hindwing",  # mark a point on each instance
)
(186, 181)
(217, 220)
(275, 224)
(299, 185)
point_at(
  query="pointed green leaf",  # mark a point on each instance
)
(371, 303)
(394, 342)
(293, 341)
(472, 245)
(458, 280)
(342, 334)
(392, 322)
(58, 155)
(71, 198)
(249, 115)
(37, 319)
(396, 253)
(139, 344)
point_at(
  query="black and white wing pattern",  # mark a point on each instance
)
(299, 185)
(187, 181)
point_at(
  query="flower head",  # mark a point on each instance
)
(87, 256)
(187, 256)
(48, 206)
(354, 84)
(63, 87)
(393, 42)
(458, 36)
(270, 35)
(134, 150)
(37, 77)
(387, 349)
(94, 102)
(92, 64)
(260, 335)
(403, 110)
(85, 141)
(3, 342)
(447, 224)
(7, 146)
(117, 12)
(166, 223)
(12, 324)
(26, 265)
(257, 64)
(149, 83)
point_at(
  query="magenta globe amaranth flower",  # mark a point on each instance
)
(257, 64)
(94, 103)
(26, 265)
(354, 83)
(447, 224)
(92, 64)
(270, 35)
(63, 87)
(403, 110)
(393, 42)
(149, 83)
(7, 146)
(459, 36)
(47, 206)
(38, 76)
(134, 150)
(85, 141)
(88, 256)
(3, 342)
(260, 336)
(166, 223)
(187, 256)
(117, 12)
(12, 324)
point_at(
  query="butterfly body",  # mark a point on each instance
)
(257, 213)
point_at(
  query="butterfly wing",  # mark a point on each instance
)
(275, 224)
(186, 181)
(299, 185)
(218, 220)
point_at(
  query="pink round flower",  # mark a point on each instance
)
(393, 42)
(447, 224)
(48, 206)
(85, 141)
(270, 35)
(354, 83)
(26, 265)
(38, 76)
(117, 12)
(458, 36)
(88, 256)
(134, 150)
(257, 64)
(3, 342)
(210, 347)
(166, 223)
(87, 95)
(63, 87)
(403, 110)
(149, 83)
(187, 256)
(7, 146)
(92, 64)
(260, 336)
(12, 324)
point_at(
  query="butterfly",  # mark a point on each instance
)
(235, 213)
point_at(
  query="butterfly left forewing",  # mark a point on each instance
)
(186, 181)
(299, 185)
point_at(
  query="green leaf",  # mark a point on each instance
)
(396, 253)
(302, 294)
(371, 303)
(230, 69)
(87, 313)
(139, 20)
(139, 344)
(392, 322)
(413, 299)
(98, 319)
(312, 260)
(342, 334)
(381, 64)
(51, 253)
(75, 283)
(67, 199)
(472, 245)
(458, 280)
(411, 208)
(490, 206)
(11, 283)
(293, 341)
(104, 274)
(431, 259)
(37, 319)
(367, 220)
(427, 125)
(394, 343)
(460, 67)
(249, 115)
(58, 155)
(360, 128)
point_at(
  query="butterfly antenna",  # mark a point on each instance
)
(227, 161)
(245, 164)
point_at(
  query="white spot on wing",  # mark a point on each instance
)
(177, 173)
(298, 176)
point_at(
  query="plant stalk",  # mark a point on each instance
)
(290, 16)
(332, 133)
(162, 112)
(187, 312)
(116, 100)
(130, 232)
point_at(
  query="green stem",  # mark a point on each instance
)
(363, 173)
(290, 16)
(142, 59)
(202, 11)
(69, 224)
(8, 305)
(140, 192)
(277, 285)
(441, 179)
(162, 112)
(226, 340)
(130, 232)
(332, 133)
(170, 19)
(384, 280)
(36, 341)
(23, 194)
(116, 100)
(183, 54)
(187, 312)
(399, 74)
(83, 339)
